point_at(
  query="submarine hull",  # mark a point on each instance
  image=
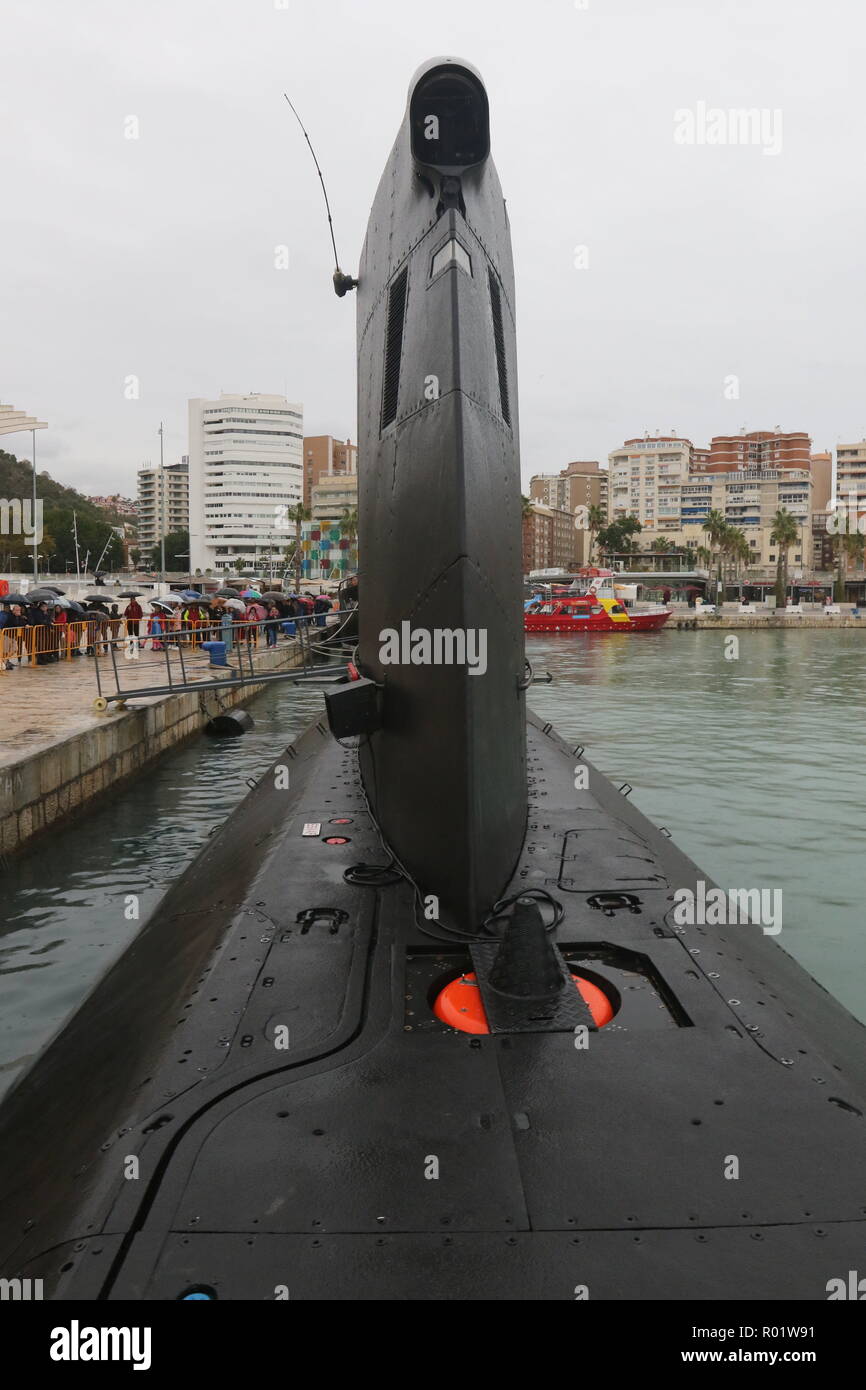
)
(558, 1166)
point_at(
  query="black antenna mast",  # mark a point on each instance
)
(342, 283)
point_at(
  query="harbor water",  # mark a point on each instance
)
(751, 762)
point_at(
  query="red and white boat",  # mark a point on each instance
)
(599, 609)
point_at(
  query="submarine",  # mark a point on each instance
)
(422, 1021)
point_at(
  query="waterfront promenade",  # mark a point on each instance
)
(43, 705)
(58, 751)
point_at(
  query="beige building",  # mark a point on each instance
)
(851, 475)
(332, 496)
(749, 500)
(550, 540)
(822, 480)
(326, 456)
(579, 485)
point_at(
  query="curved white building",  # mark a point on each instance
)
(246, 463)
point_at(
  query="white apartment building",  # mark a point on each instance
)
(245, 469)
(163, 503)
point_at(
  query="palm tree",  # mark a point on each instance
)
(596, 520)
(527, 508)
(742, 550)
(848, 545)
(715, 527)
(298, 514)
(349, 526)
(784, 533)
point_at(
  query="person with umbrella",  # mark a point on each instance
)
(155, 628)
(321, 606)
(76, 627)
(255, 615)
(5, 615)
(61, 625)
(272, 625)
(231, 611)
(38, 623)
(133, 613)
(12, 633)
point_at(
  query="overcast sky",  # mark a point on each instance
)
(154, 257)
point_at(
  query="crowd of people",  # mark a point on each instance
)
(45, 627)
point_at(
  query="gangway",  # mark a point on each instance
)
(180, 646)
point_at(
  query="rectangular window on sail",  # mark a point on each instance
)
(394, 347)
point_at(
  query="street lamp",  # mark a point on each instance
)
(163, 506)
(14, 421)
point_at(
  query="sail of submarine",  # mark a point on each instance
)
(272, 1052)
(439, 501)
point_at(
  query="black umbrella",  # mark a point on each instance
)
(41, 596)
(53, 589)
(95, 598)
(13, 598)
(129, 595)
(275, 598)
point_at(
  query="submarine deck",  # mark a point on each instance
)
(302, 1161)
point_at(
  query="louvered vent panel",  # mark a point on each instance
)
(394, 347)
(499, 339)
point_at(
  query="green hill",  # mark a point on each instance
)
(58, 503)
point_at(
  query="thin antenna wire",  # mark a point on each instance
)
(319, 172)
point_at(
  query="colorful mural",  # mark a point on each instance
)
(326, 552)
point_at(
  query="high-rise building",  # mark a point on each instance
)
(579, 485)
(537, 539)
(163, 503)
(245, 471)
(647, 476)
(326, 456)
(822, 480)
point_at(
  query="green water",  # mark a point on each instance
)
(754, 766)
